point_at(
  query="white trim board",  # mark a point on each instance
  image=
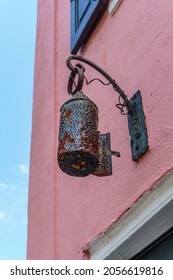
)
(151, 216)
(114, 6)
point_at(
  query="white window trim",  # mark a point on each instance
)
(114, 6)
(147, 220)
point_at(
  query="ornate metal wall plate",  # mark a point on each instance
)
(84, 14)
(137, 128)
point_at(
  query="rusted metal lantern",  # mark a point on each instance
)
(82, 149)
(78, 136)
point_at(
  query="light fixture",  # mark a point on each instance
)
(83, 150)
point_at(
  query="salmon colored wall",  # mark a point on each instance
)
(41, 227)
(135, 47)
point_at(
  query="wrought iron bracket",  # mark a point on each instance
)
(116, 87)
(135, 113)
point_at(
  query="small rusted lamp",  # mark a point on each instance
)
(78, 136)
(82, 149)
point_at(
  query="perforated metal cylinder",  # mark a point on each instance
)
(78, 136)
(105, 159)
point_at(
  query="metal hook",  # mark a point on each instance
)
(78, 70)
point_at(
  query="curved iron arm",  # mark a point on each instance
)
(101, 71)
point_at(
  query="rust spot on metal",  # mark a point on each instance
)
(75, 166)
(67, 113)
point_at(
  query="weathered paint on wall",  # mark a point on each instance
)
(135, 47)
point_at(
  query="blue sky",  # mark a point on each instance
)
(17, 48)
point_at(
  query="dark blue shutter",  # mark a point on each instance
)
(84, 14)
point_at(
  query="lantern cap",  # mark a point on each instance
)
(79, 95)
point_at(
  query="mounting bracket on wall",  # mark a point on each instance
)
(82, 149)
(137, 127)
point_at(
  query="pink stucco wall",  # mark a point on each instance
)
(135, 47)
